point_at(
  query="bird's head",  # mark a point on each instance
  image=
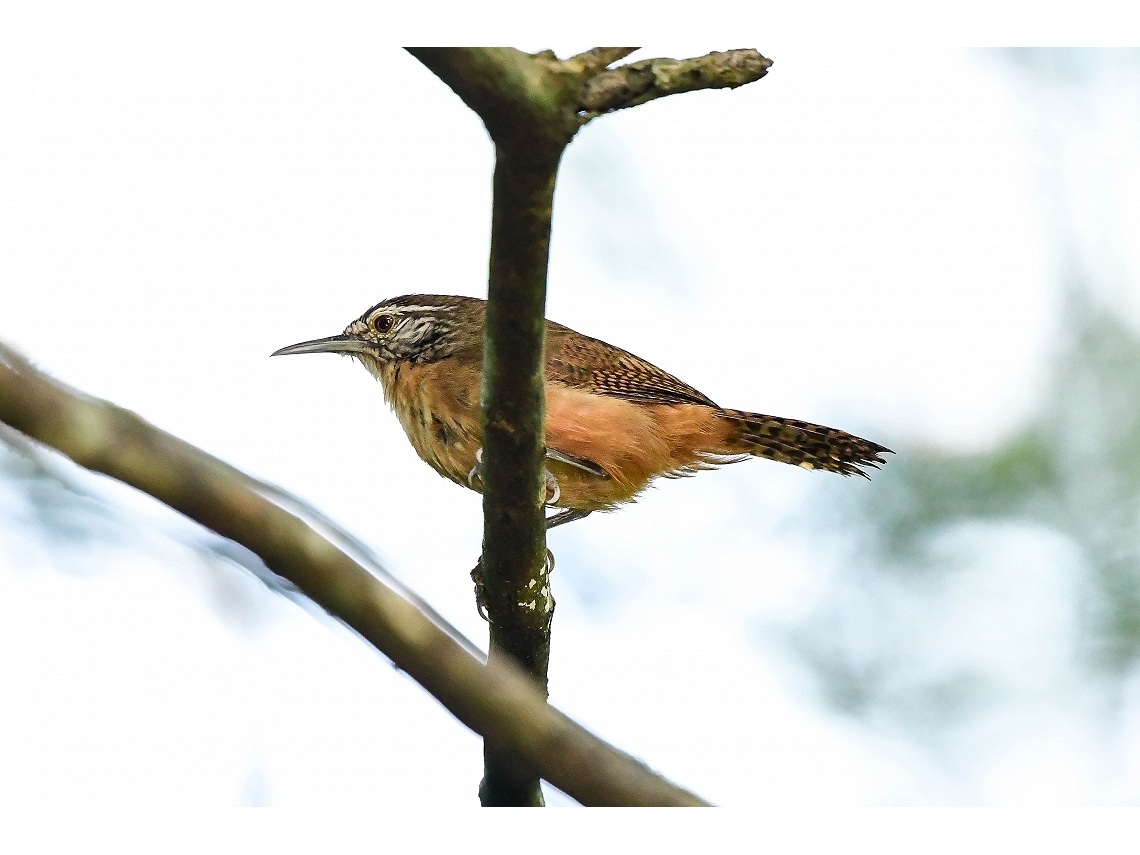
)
(417, 328)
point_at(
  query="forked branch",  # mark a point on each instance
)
(518, 94)
(532, 106)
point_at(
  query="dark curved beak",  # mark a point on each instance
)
(332, 344)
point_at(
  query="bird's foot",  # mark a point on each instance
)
(481, 587)
(480, 591)
(553, 493)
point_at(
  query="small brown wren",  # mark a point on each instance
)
(614, 422)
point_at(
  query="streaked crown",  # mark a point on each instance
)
(419, 327)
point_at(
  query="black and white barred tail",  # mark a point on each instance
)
(801, 443)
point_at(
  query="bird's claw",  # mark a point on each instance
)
(553, 491)
(480, 591)
(481, 588)
(477, 469)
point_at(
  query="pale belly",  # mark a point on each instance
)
(446, 445)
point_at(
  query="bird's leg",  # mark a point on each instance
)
(564, 516)
(553, 494)
(568, 514)
(553, 491)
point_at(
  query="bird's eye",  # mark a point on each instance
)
(383, 323)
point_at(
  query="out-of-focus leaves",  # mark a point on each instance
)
(1011, 575)
(924, 490)
(1075, 469)
(1072, 476)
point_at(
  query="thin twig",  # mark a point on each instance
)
(595, 59)
(639, 82)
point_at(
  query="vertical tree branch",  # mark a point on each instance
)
(522, 103)
(514, 406)
(532, 105)
(519, 603)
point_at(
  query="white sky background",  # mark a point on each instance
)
(866, 251)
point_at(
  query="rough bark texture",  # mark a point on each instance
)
(532, 105)
(495, 699)
(522, 101)
(519, 602)
(644, 81)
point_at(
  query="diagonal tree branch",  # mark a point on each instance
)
(494, 699)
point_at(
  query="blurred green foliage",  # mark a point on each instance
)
(908, 633)
(886, 643)
(1075, 469)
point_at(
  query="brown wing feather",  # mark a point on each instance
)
(590, 364)
(594, 366)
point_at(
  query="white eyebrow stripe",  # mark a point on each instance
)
(413, 309)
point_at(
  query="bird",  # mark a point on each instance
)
(614, 422)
